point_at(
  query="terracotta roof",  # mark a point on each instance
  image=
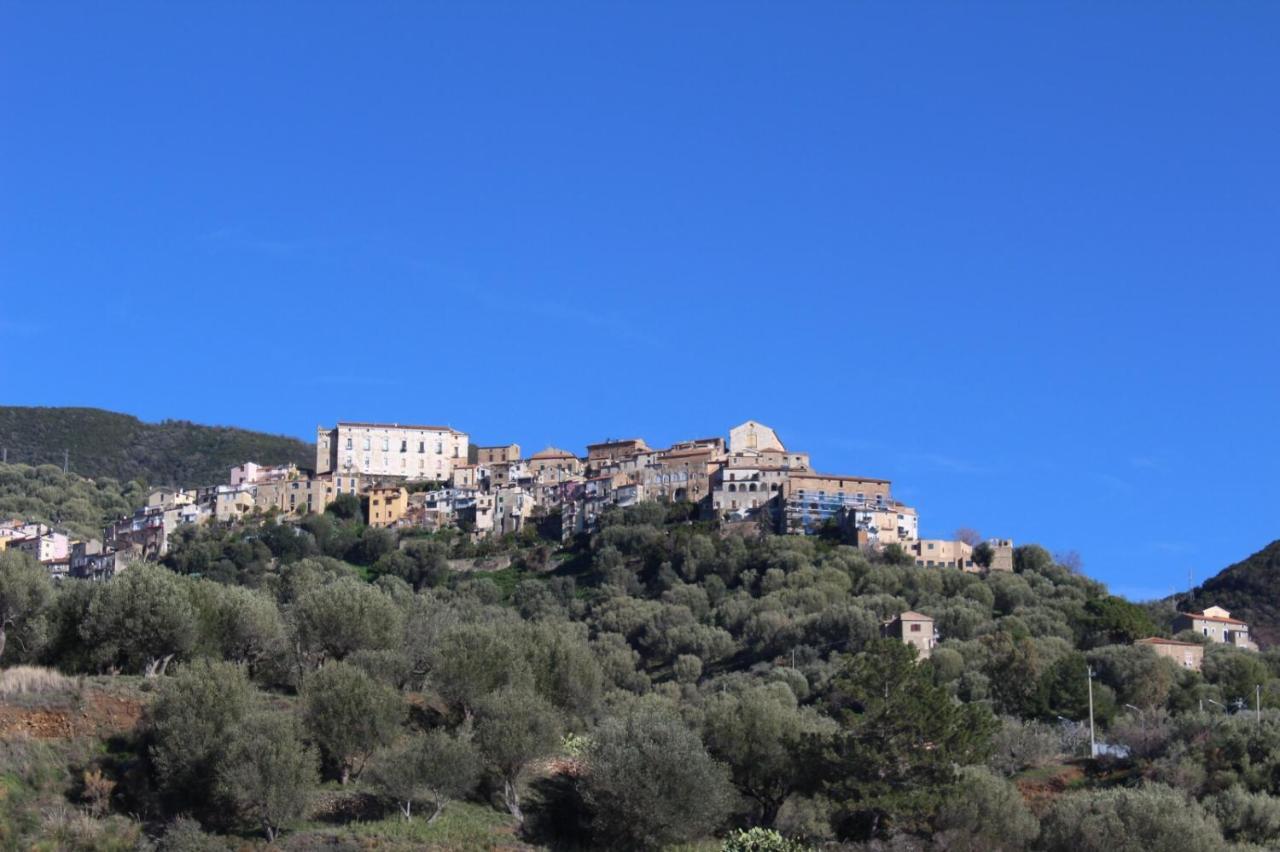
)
(619, 442)
(912, 615)
(1157, 640)
(1202, 617)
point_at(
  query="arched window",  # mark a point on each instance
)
(732, 487)
(753, 486)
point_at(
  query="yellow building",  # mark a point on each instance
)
(387, 505)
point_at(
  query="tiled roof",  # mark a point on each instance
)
(399, 426)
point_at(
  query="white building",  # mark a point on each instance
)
(390, 449)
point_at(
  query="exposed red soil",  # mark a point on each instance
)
(98, 715)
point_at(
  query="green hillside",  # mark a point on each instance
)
(1250, 589)
(120, 446)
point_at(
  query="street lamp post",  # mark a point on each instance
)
(1093, 745)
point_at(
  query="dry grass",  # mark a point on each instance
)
(33, 680)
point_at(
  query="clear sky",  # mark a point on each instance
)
(1021, 258)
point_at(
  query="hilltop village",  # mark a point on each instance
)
(431, 478)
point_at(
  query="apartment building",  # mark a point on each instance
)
(46, 546)
(303, 494)
(1216, 624)
(390, 449)
(605, 453)
(808, 499)
(879, 526)
(741, 488)
(682, 473)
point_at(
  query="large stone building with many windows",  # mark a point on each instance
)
(390, 449)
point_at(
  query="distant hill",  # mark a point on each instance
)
(108, 444)
(1250, 589)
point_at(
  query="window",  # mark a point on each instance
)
(422, 446)
(348, 443)
(439, 447)
(404, 446)
(386, 445)
(915, 628)
(366, 443)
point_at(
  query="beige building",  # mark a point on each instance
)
(231, 503)
(465, 476)
(303, 495)
(753, 436)
(251, 473)
(495, 455)
(878, 526)
(915, 629)
(1216, 624)
(1188, 655)
(743, 488)
(602, 454)
(682, 473)
(809, 499)
(387, 505)
(554, 465)
(390, 449)
(942, 553)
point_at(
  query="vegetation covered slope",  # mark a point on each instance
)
(66, 501)
(1250, 589)
(107, 444)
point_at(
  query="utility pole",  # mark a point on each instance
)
(1093, 746)
(66, 458)
(1257, 691)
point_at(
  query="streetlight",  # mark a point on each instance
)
(1093, 746)
(1223, 706)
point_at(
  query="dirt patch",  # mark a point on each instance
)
(97, 715)
(1041, 787)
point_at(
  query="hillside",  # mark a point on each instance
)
(120, 446)
(1250, 589)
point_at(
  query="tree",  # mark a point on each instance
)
(346, 507)
(349, 715)
(1154, 818)
(190, 724)
(901, 738)
(983, 554)
(437, 767)
(1115, 621)
(514, 726)
(241, 625)
(472, 660)
(984, 813)
(345, 616)
(767, 741)
(969, 536)
(267, 771)
(141, 620)
(650, 782)
(25, 590)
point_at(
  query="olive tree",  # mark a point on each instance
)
(513, 727)
(436, 767)
(349, 715)
(335, 620)
(1154, 818)
(266, 771)
(24, 591)
(650, 782)
(141, 620)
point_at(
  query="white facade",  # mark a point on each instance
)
(389, 449)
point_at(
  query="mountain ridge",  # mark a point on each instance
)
(101, 443)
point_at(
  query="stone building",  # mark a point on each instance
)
(1217, 625)
(1188, 655)
(915, 629)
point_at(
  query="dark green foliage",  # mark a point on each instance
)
(1151, 819)
(266, 771)
(437, 767)
(190, 726)
(900, 739)
(25, 591)
(1114, 620)
(349, 715)
(652, 783)
(104, 444)
(80, 505)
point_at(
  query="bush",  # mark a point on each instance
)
(1154, 818)
(760, 840)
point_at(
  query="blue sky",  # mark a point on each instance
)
(1020, 258)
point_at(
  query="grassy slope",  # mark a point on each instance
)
(108, 444)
